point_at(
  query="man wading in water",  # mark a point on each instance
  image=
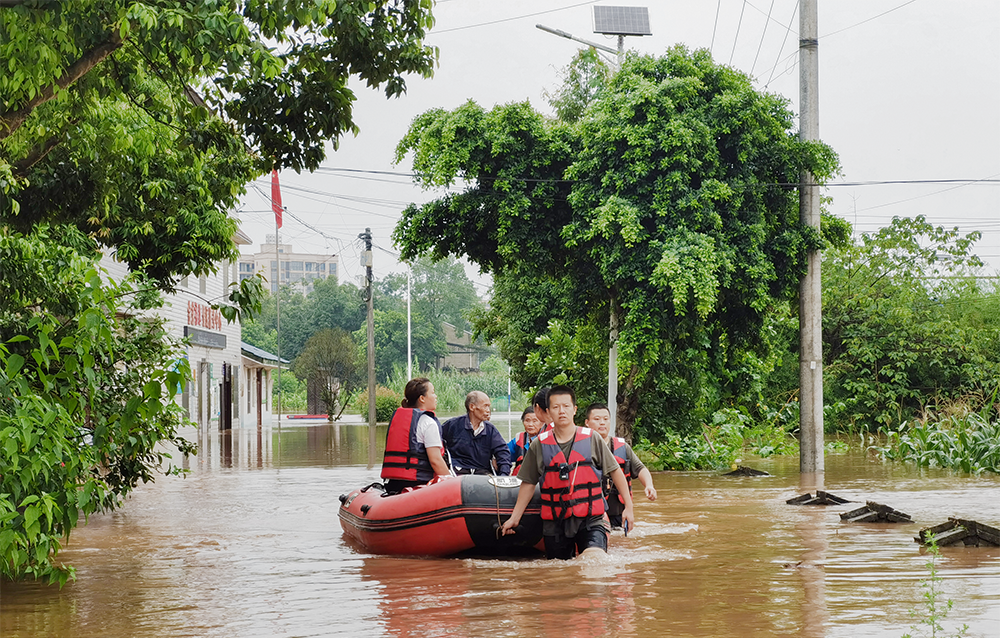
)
(571, 463)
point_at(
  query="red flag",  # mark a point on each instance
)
(276, 198)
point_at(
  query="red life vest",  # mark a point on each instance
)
(406, 458)
(620, 449)
(581, 494)
(521, 444)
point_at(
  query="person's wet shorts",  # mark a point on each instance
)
(560, 546)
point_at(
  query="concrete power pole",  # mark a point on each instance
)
(810, 290)
(369, 298)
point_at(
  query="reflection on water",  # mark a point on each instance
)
(249, 544)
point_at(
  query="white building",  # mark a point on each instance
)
(231, 386)
(296, 268)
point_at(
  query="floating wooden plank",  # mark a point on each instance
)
(742, 470)
(821, 498)
(961, 531)
(875, 513)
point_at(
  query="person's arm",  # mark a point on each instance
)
(618, 478)
(501, 454)
(647, 483)
(437, 461)
(524, 494)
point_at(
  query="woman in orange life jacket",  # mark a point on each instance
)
(519, 444)
(570, 463)
(414, 452)
(598, 418)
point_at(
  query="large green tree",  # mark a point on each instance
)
(140, 122)
(669, 207)
(87, 378)
(440, 291)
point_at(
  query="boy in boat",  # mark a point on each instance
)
(474, 444)
(570, 462)
(599, 419)
(413, 447)
(519, 444)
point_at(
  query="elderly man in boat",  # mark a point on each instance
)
(473, 443)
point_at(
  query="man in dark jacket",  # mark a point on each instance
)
(475, 445)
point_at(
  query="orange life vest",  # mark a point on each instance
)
(620, 449)
(579, 494)
(406, 458)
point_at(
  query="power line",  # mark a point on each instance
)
(527, 15)
(738, 26)
(754, 65)
(788, 30)
(868, 20)
(715, 27)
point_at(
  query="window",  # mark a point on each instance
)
(321, 267)
(296, 265)
(309, 266)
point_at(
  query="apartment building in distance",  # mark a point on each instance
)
(296, 268)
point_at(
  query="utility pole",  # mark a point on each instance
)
(810, 289)
(369, 298)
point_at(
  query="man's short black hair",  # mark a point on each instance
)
(560, 389)
(596, 406)
(541, 399)
(527, 411)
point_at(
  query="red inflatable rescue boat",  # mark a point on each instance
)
(453, 516)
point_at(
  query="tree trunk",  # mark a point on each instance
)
(10, 121)
(628, 406)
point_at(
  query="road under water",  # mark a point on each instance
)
(249, 544)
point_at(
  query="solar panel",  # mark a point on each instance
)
(622, 20)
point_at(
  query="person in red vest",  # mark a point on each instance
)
(599, 420)
(414, 452)
(519, 444)
(570, 462)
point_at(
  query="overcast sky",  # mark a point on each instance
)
(909, 91)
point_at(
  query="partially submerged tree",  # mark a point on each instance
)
(671, 205)
(330, 362)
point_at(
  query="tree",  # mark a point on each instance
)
(330, 360)
(670, 206)
(141, 122)
(441, 291)
(427, 342)
(86, 388)
(328, 305)
(906, 325)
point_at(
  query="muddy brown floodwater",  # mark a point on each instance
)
(249, 544)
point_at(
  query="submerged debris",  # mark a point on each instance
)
(742, 470)
(875, 513)
(958, 531)
(821, 498)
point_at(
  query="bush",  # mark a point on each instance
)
(386, 402)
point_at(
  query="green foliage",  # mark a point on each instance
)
(440, 291)
(905, 326)
(584, 79)
(141, 122)
(79, 429)
(452, 387)
(664, 206)
(330, 359)
(292, 392)
(731, 434)
(328, 305)
(390, 341)
(935, 610)
(965, 443)
(386, 402)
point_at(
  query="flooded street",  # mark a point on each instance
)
(249, 544)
